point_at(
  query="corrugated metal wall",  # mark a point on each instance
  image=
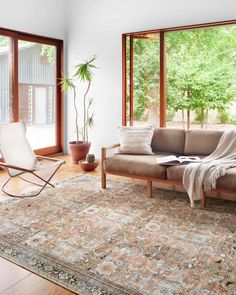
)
(30, 70)
(4, 89)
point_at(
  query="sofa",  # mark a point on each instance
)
(168, 141)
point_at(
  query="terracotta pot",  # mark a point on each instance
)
(88, 166)
(79, 150)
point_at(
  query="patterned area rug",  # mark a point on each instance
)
(119, 241)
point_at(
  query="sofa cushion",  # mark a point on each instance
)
(136, 165)
(168, 140)
(226, 182)
(201, 142)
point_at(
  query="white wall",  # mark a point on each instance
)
(40, 17)
(95, 27)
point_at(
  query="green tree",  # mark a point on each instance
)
(146, 75)
(50, 52)
(201, 71)
(4, 41)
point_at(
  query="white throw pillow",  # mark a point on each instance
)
(136, 140)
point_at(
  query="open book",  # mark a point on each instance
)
(173, 160)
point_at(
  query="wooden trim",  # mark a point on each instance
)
(60, 70)
(29, 36)
(47, 151)
(124, 80)
(162, 80)
(131, 82)
(145, 37)
(59, 100)
(185, 27)
(40, 40)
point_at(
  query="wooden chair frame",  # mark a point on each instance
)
(33, 172)
(217, 193)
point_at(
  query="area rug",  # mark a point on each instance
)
(118, 241)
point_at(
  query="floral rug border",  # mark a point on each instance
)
(75, 281)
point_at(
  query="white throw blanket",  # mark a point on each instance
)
(204, 175)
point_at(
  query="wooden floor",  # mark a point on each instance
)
(15, 280)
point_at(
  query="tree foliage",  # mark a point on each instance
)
(201, 70)
(50, 52)
(146, 74)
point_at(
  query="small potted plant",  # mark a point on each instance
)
(83, 74)
(89, 164)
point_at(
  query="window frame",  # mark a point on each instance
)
(141, 34)
(16, 36)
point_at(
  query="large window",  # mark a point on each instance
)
(182, 77)
(30, 67)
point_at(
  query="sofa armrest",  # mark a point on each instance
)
(108, 148)
(103, 158)
(111, 147)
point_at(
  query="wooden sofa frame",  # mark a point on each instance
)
(217, 193)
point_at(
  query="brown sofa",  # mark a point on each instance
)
(168, 142)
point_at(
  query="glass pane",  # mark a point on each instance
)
(128, 81)
(201, 71)
(5, 96)
(146, 80)
(37, 92)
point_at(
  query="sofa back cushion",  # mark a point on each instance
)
(201, 142)
(168, 140)
(136, 140)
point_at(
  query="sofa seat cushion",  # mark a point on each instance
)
(136, 165)
(227, 181)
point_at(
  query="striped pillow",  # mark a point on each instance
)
(136, 140)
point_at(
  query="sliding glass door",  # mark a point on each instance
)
(143, 83)
(30, 67)
(37, 92)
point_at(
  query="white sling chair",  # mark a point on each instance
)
(19, 158)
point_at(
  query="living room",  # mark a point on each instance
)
(117, 139)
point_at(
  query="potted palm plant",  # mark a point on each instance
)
(83, 74)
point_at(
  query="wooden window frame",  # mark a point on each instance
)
(16, 36)
(142, 35)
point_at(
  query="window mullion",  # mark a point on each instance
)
(162, 80)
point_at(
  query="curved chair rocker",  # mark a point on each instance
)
(19, 158)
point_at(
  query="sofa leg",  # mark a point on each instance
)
(203, 199)
(104, 177)
(149, 188)
(104, 180)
